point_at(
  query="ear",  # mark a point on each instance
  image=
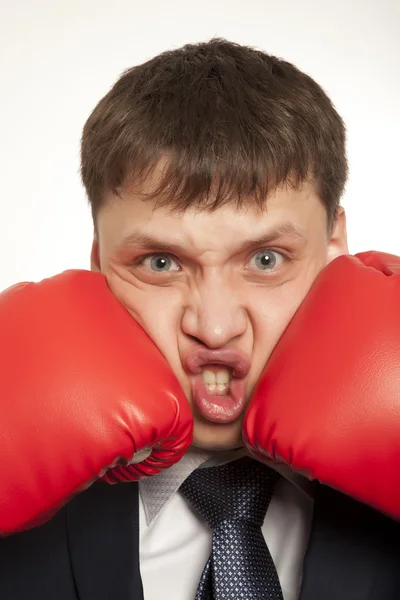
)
(337, 244)
(95, 256)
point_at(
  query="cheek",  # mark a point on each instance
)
(271, 313)
(155, 309)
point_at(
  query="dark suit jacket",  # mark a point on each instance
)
(90, 551)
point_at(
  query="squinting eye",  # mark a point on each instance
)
(267, 260)
(160, 263)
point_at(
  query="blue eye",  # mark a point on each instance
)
(160, 263)
(267, 260)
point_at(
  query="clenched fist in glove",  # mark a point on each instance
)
(328, 402)
(84, 394)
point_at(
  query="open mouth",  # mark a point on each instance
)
(218, 395)
(217, 378)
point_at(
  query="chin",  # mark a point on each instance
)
(216, 437)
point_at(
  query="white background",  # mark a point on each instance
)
(58, 58)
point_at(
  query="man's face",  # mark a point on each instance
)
(216, 290)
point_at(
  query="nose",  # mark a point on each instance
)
(213, 314)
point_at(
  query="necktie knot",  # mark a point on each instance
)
(237, 491)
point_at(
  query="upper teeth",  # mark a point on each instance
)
(221, 377)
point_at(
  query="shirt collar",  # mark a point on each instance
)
(157, 490)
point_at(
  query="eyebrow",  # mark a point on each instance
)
(149, 242)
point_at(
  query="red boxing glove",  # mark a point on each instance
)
(83, 389)
(328, 402)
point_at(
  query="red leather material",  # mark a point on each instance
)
(83, 388)
(328, 402)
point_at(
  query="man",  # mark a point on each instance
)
(214, 174)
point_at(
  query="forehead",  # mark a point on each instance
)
(290, 212)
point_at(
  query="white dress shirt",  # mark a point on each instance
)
(175, 543)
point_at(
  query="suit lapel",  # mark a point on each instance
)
(353, 552)
(103, 533)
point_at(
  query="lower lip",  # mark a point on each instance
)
(218, 409)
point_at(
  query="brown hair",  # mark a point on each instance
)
(232, 123)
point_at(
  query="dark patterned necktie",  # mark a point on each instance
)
(234, 498)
